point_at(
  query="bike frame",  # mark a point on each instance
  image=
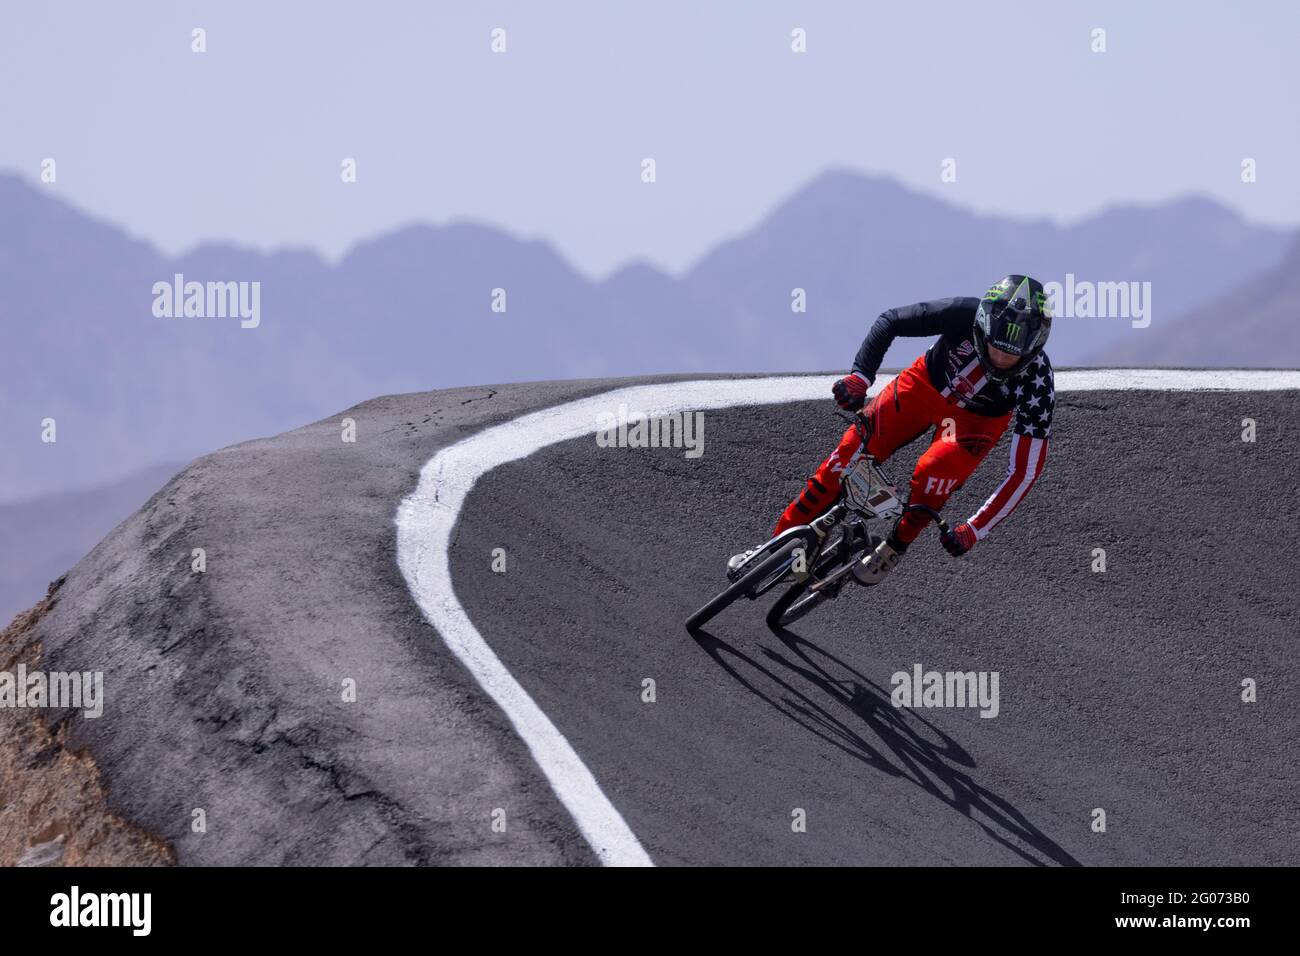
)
(866, 494)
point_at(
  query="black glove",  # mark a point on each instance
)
(957, 541)
(851, 391)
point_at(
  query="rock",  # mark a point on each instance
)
(49, 853)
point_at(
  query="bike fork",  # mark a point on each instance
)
(820, 526)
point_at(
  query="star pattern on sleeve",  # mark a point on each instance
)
(1035, 399)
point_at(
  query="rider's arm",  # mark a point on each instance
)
(1035, 399)
(923, 318)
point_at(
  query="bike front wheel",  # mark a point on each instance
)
(745, 583)
(799, 599)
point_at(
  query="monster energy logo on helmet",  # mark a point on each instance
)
(1012, 317)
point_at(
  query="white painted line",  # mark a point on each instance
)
(1176, 380)
(427, 517)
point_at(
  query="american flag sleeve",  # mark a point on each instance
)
(1035, 401)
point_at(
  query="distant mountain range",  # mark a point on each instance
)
(41, 538)
(412, 310)
(1256, 324)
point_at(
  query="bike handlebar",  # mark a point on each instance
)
(943, 525)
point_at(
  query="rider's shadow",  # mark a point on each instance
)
(895, 741)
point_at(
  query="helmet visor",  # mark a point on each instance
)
(1012, 333)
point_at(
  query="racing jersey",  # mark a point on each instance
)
(954, 370)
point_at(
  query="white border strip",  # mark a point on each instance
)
(427, 517)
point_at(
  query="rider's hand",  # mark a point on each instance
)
(957, 541)
(851, 391)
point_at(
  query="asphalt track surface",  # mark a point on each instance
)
(1118, 690)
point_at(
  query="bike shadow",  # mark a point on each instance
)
(895, 741)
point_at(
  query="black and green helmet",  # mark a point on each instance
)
(1013, 316)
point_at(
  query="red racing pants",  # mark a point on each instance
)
(907, 408)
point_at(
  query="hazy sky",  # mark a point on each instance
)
(244, 142)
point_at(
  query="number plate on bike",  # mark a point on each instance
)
(868, 490)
